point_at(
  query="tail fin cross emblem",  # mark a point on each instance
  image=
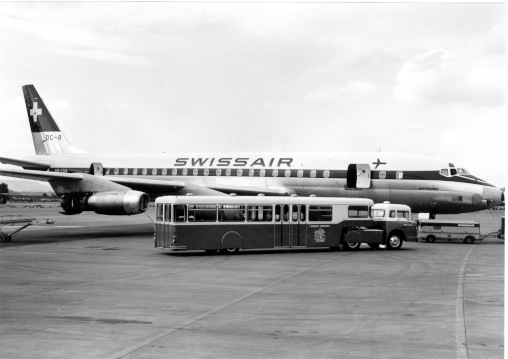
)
(35, 112)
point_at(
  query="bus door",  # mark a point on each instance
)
(298, 230)
(167, 219)
(289, 229)
(282, 227)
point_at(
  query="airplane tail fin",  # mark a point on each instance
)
(47, 137)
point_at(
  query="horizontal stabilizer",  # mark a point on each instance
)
(25, 164)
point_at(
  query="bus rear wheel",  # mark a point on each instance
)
(394, 241)
(230, 250)
(352, 246)
(430, 239)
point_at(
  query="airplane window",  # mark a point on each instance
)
(444, 172)
(261, 173)
(462, 171)
(400, 175)
(453, 171)
(164, 171)
(239, 172)
(184, 172)
(154, 171)
(326, 174)
(382, 174)
(144, 171)
(135, 171)
(251, 172)
(228, 172)
(217, 172)
(300, 173)
(125, 171)
(174, 172)
(195, 172)
(206, 172)
(275, 173)
(313, 173)
(116, 171)
(287, 173)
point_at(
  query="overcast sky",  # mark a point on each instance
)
(155, 77)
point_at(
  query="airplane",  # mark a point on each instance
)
(124, 184)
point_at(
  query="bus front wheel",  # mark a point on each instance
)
(394, 241)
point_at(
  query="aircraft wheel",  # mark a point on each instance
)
(230, 250)
(394, 241)
(352, 246)
(373, 246)
(469, 239)
(430, 239)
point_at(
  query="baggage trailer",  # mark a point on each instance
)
(466, 231)
(13, 220)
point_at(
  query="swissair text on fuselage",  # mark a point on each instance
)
(235, 162)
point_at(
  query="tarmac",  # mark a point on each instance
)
(91, 286)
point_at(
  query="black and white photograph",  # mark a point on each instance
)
(252, 179)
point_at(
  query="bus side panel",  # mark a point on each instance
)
(323, 235)
(159, 239)
(167, 232)
(197, 237)
(259, 235)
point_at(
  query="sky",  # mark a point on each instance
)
(152, 77)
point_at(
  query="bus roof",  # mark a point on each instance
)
(391, 206)
(264, 200)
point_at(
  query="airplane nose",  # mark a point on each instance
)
(494, 196)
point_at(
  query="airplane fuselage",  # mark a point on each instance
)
(422, 182)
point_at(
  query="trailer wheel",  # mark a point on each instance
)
(352, 246)
(394, 241)
(230, 250)
(469, 239)
(430, 239)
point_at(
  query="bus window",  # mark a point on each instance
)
(260, 213)
(320, 213)
(403, 215)
(180, 212)
(159, 212)
(358, 211)
(285, 216)
(295, 213)
(302, 212)
(231, 213)
(392, 214)
(277, 212)
(379, 213)
(202, 213)
(167, 213)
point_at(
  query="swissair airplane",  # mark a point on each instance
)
(124, 184)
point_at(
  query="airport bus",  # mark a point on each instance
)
(231, 223)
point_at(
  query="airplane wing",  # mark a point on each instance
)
(24, 164)
(82, 182)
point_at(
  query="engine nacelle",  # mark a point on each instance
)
(118, 202)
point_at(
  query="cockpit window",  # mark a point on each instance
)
(444, 172)
(462, 171)
(453, 171)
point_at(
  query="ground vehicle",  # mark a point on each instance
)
(467, 231)
(500, 233)
(230, 223)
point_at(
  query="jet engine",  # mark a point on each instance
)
(110, 202)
